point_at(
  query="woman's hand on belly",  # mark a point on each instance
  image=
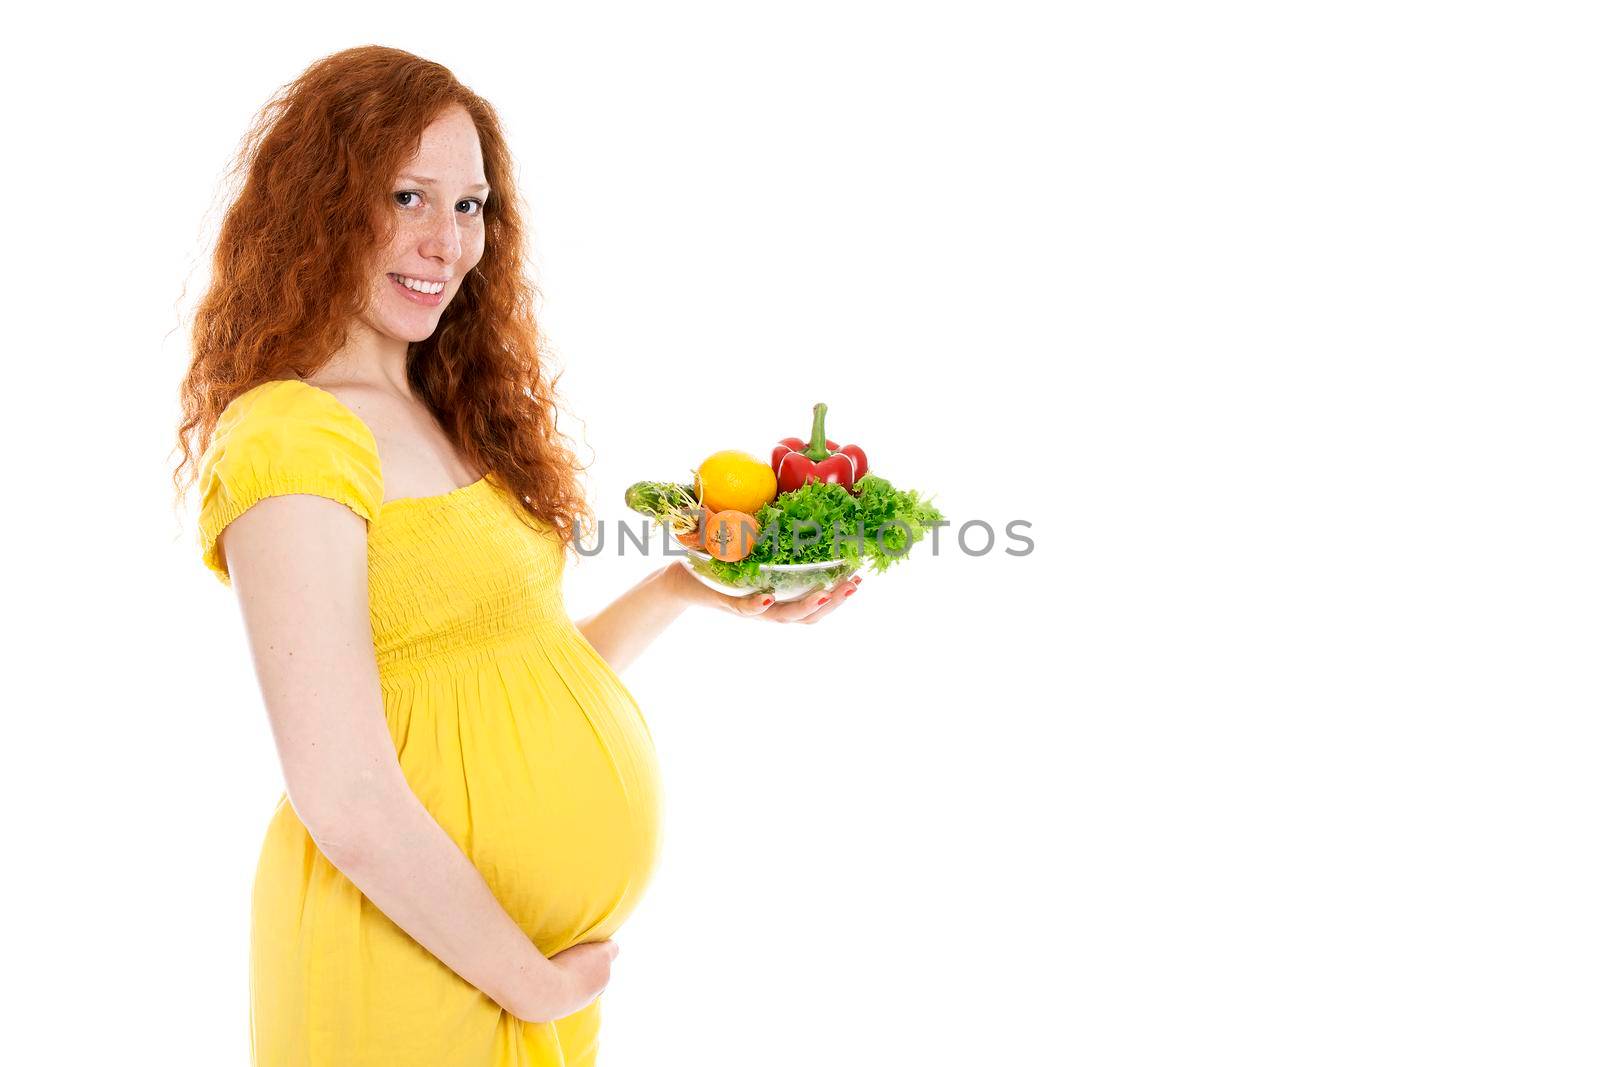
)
(579, 975)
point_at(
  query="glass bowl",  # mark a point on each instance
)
(781, 581)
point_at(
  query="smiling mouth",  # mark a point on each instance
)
(418, 295)
(418, 285)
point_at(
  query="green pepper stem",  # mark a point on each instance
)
(817, 451)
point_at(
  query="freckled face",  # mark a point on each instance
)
(437, 202)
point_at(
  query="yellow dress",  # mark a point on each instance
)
(510, 728)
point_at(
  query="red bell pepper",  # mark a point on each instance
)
(797, 462)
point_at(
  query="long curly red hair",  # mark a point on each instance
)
(291, 266)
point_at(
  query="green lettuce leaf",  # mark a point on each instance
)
(873, 527)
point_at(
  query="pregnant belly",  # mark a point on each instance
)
(539, 764)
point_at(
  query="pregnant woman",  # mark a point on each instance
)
(470, 804)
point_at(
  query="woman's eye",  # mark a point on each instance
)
(470, 200)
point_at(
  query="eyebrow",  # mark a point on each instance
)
(420, 180)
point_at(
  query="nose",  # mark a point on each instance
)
(441, 239)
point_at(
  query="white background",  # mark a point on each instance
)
(1277, 322)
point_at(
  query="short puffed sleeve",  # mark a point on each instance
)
(284, 437)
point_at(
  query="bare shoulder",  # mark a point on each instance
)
(418, 457)
(380, 411)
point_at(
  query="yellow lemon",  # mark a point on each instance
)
(735, 481)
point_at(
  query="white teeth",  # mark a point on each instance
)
(421, 287)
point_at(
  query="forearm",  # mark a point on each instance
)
(414, 872)
(626, 627)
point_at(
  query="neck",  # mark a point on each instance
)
(370, 358)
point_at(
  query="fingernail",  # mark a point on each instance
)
(850, 591)
(821, 601)
(767, 601)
